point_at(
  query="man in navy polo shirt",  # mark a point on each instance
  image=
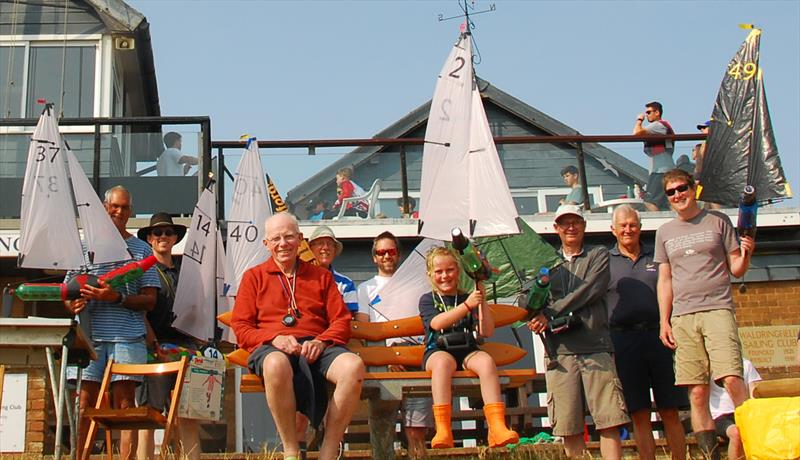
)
(643, 362)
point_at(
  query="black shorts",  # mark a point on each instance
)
(256, 361)
(156, 391)
(458, 355)
(722, 423)
(655, 191)
(643, 362)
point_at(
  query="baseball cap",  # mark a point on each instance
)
(565, 209)
(704, 124)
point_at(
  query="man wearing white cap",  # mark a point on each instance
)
(576, 330)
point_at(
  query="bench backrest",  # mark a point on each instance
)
(379, 355)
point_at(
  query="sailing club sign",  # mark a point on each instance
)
(10, 243)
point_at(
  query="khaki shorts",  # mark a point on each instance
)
(592, 375)
(708, 347)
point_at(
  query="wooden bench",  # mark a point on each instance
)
(386, 390)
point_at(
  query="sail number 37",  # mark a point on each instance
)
(744, 71)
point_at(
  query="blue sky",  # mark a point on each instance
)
(347, 69)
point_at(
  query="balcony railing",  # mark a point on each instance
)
(115, 151)
(610, 168)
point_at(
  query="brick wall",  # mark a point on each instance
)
(38, 440)
(772, 303)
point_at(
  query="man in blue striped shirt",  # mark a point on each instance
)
(117, 321)
(326, 248)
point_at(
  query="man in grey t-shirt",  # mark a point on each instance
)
(697, 253)
(660, 153)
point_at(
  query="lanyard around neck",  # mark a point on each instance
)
(441, 305)
(289, 289)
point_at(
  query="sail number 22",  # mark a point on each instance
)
(744, 71)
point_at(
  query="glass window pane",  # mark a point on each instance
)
(44, 79)
(526, 204)
(11, 61)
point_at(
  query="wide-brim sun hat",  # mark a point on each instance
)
(323, 231)
(161, 219)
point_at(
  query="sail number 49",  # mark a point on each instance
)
(744, 71)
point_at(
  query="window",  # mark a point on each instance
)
(11, 82)
(39, 67)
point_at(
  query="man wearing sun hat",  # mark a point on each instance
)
(163, 234)
(583, 368)
(326, 248)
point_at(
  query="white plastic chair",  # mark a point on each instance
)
(370, 196)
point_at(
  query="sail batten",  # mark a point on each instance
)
(463, 184)
(741, 148)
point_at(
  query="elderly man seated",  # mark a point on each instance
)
(291, 318)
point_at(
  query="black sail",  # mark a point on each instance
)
(741, 147)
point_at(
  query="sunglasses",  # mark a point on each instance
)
(166, 232)
(382, 252)
(679, 189)
(648, 112)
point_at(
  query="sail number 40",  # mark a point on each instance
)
(744, 71)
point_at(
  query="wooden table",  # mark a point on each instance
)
(21, 343)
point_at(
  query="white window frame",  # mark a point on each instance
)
(102, 69)
(595, 195)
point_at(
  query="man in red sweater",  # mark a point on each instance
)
(291, 318)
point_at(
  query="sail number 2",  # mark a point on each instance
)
(744, 71)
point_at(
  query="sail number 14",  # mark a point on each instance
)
(744, 71)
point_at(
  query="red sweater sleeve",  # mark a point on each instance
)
(244, 320)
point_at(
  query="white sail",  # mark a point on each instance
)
(101, 238)
(491, 206)
(249, 211)
(463, 184)
(197, 281)
(399, 297)
(48, 231)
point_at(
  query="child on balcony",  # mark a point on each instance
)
(454, 321)
(346, 188)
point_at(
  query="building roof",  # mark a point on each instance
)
(419, 116)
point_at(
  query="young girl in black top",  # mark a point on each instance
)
(453, 322)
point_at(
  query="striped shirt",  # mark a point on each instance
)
(348, 290)
(111, 322)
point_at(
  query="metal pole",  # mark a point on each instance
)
(73, 452)
(404, 179)
(96, 160)
(582, 173)
(220, 183)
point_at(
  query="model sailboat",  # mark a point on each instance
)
(49, 235)
(202, 271)
(463, 183)
(741, 148)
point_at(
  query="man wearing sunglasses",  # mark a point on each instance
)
(163, 234)
(660, 153)
(697, 253)
(417, 412)
(290, 316)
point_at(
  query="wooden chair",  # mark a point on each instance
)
(135, 418)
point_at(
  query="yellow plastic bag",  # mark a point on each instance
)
(770, 428)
